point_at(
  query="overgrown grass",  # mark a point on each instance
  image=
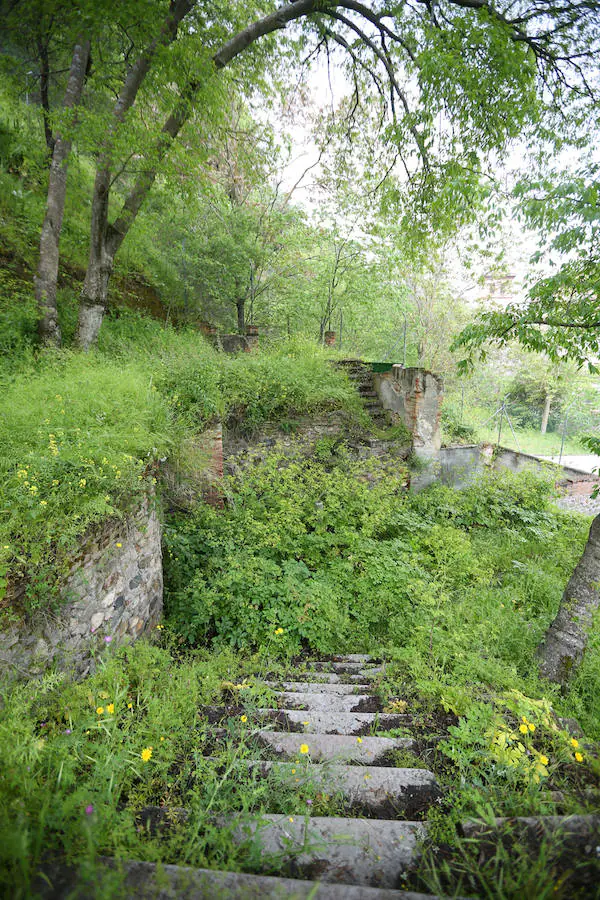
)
(81, 435)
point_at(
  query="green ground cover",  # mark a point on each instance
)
(454, 588)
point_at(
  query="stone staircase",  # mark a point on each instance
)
(321, 718)
(319, 730)
(361, 375)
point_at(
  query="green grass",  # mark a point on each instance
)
(533, 442)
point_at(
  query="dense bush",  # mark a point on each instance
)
(339, 557)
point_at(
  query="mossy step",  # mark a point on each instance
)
(347, 667)
(324, 702)
(314, 722)
(314, 686)
(330, 678)
(373, 853)
(353, 657)
(375, 791)
(149, 881)
(373, 751)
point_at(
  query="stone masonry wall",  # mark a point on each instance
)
(113, 593)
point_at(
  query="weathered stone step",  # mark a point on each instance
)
(311, 721)
(345, 668)
(147, 881)
(357, 723)
(374, 853)
(308, 687)
(376, 791)
(330, 678)
(323, 702)
(354, 657)
(371, 751)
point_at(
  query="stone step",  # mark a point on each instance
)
(345, 668)
(310, 687)
(311, 722)
(149, 881)
(371, 751)
(323, 702)
(330, 678)
(355, 657)
(373, 853)
(379, 792)
(320, 722)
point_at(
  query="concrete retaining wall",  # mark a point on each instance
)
(461, 464)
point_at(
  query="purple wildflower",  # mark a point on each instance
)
(89, 810)
(67, 731)
(107, 639)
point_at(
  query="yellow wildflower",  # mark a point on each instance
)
(99, 710)
(303, 748)
(130, 706)
(243, 718)
(544, 760)
(291, 819)
(146, 753)
(359, 740)
(574, 743)
(43, 503)
(523, 729)
(118, 544)
(579, 756)
(279, 631)
(82, 482)
(531, 727)
(33, 489)
(110, 709)
(293, 771)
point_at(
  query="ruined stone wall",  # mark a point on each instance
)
(237, 451)
(414, 396)
(112, 593)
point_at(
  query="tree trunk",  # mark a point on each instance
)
(45, 93)
(565, 641)
(240, 304)
(47, 272)
(546, 413)
(106, 239)
(94, 295)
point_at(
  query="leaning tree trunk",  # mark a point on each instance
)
(47, 272)
(546, 413)
(106, 239)
(566, 639)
